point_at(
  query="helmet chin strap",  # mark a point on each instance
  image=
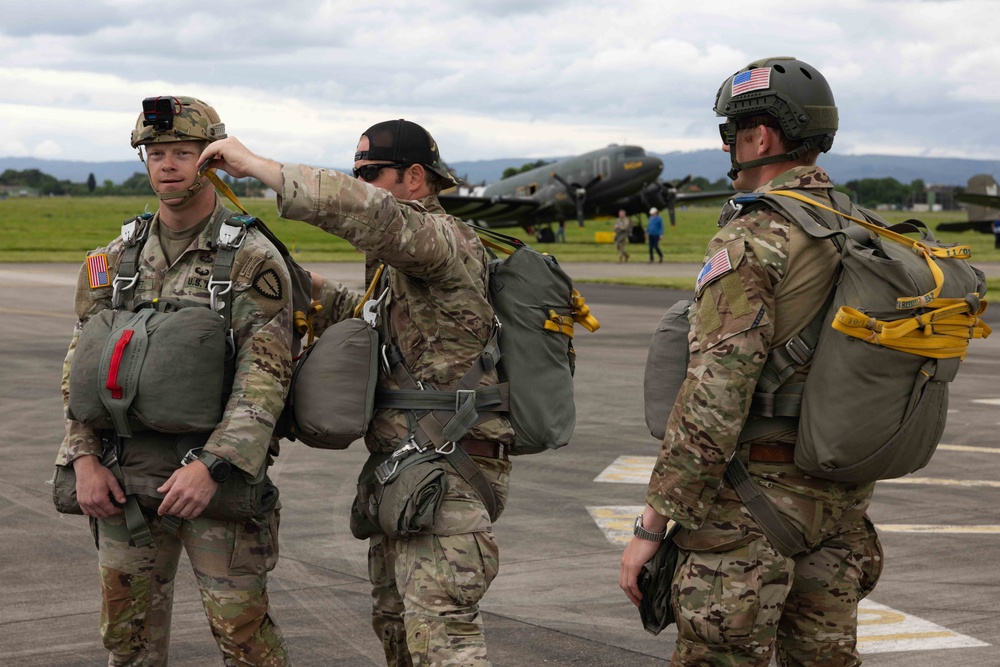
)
(184, 194)
(790, 156)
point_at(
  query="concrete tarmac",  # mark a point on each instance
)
(556, 600)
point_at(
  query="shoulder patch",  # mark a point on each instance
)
(268, 283)
(97, 270)
(715, 267)
(251, 265)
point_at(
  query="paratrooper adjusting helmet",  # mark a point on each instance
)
(795, 93)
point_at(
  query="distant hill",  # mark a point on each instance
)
(710, 164)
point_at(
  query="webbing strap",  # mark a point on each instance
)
(134, 520)
(495, 397)
(782, 535)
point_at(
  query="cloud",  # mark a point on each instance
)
(302, 79)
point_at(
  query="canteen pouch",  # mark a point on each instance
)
(666, 367)
(149, 370)
(410, 502)
(332, 395)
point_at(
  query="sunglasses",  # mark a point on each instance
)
(370, 172)
(728, 132)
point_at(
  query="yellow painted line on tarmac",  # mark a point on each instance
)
(942, 482)
(937, 528)
(628, 470)
(969, 448)
(987, 401)
(36, 313)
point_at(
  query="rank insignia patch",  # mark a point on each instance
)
(97, 269)
(268, 283)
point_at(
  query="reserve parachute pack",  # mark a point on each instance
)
(883, 350)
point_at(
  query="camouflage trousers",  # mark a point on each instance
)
(426, 589)
(737, 600)
(230, 562)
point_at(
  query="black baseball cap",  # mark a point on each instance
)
(404, 142)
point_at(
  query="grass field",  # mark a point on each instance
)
(59, 229)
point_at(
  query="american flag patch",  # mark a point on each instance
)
(715, 267)
(97, 268)
(755, 79)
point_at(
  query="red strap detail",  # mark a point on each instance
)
(116, 362)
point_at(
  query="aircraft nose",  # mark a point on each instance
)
(652, 165)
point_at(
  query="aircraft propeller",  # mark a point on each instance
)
(669, 190)
(577, 193)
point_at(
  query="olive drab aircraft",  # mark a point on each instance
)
(598, 183)
(983, 196)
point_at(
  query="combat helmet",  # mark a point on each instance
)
(792, 91)
(167, 119)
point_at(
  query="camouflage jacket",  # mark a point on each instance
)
(261, 320)
(764, 280)
(436, 311)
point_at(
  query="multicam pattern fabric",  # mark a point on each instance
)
(437, 312)
(735, 593)
(426, 589)
(197, 121)
(261, 326)
(230, 562)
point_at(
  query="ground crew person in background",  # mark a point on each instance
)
(230, 559)
(621, 229)
(426, 589)
(654, 232)
(763, 281)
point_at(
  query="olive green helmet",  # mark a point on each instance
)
(167, 119)
(790, 90)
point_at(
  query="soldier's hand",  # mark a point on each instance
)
(637, 553)
(95, 488)
(238, 161)
(189, 490)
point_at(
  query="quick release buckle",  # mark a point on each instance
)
(798, 350)
(120, 283)
(462, 396)
(213, 292)
(387, 469)
(191, 456)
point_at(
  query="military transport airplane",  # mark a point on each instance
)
(983, 194)
(597, 183)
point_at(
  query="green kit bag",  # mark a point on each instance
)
(535, 302)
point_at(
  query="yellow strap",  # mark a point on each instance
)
(558, 324)
(940, 334)
(581, 313)
(496, 246)
(922, 249)
(369, 291)
(221, 186)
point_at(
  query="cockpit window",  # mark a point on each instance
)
(634, 151)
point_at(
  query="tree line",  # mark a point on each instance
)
(135, 185)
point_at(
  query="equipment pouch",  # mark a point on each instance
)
(411, 500)
(64, 486)
(148, 370)
(364, 509)
(332, 395)
(666, 367)
(656, 583)
(240, 497)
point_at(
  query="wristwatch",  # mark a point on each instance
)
(644, 534)
(219, 469)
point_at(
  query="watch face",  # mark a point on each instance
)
(220, 470)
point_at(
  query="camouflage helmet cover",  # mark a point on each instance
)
(189, 119)
(790, 90)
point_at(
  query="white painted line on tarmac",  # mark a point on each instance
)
(970, 448)
(11, 278)
(941, 482)
(36, 313)
(881, 629)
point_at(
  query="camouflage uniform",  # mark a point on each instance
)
(230, 560)
(426, 589)
(735, 596)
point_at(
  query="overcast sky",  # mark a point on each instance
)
(300, 80)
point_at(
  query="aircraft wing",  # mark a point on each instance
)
(684, 197)
(984, 226)
(989, 201)
(493, 211)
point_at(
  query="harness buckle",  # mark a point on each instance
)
(191, 456)
(446, 449)
(231, 236)
(463, 396)
(213, 287)
(131, 230)
(120, 283)
(798, 350)
(369, 311)
(385, 472)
